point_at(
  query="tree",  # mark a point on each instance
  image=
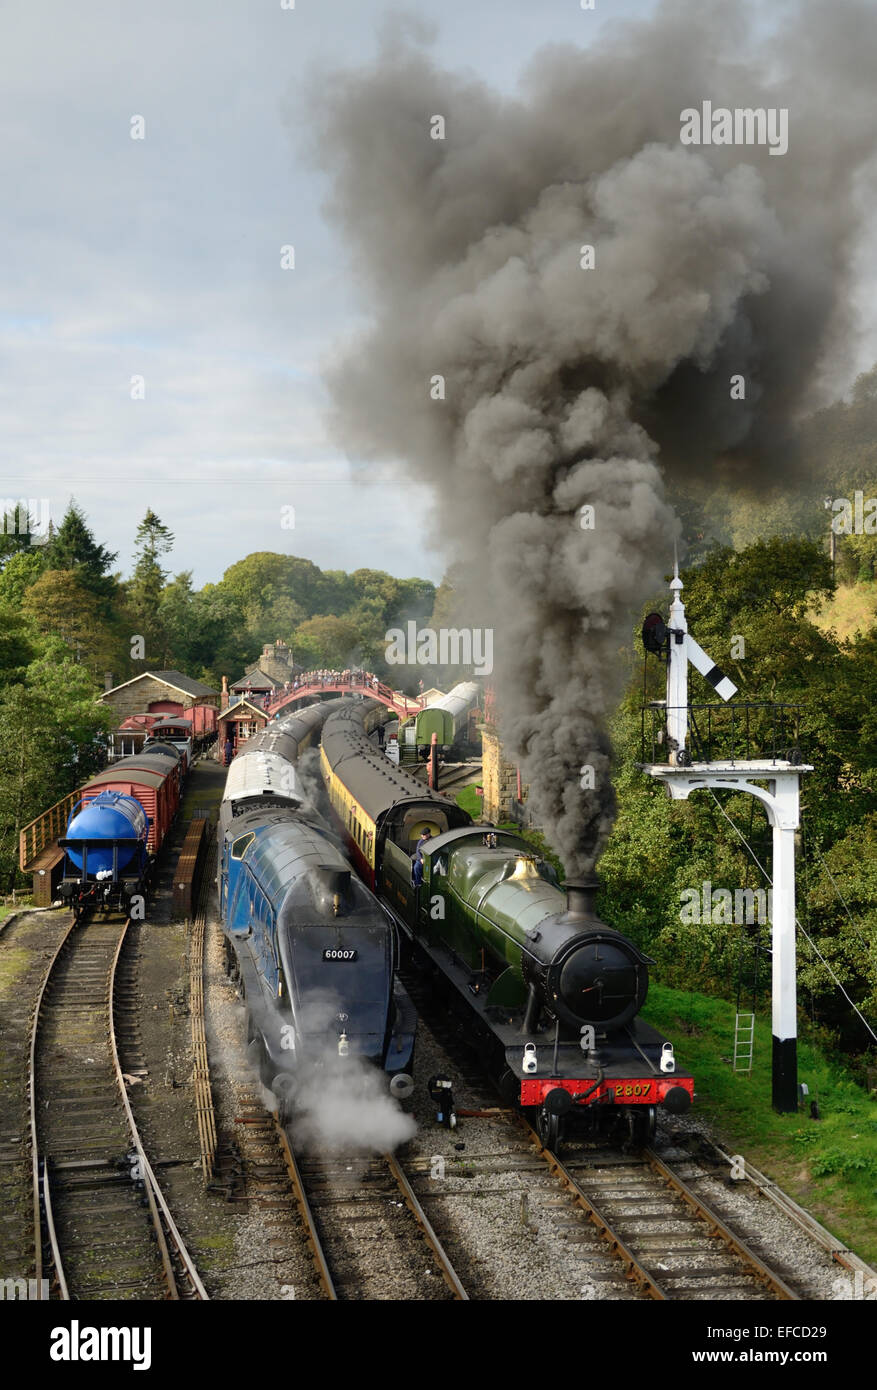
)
(147, 583)
(20, 571)
(75, 548)
(265, 576)
(16, 530)
(59, 604)
(333, 641)
(17, 644)
(50, 742)
(178, 622)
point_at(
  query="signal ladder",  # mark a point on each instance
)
(744, 1041)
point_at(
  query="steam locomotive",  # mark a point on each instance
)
(314, 952)
(548, 992)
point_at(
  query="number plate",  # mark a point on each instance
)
(336, 953)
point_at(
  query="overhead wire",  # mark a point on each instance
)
(806, 936)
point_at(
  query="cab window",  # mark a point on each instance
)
(241, 844)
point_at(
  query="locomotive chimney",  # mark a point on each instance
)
(581, 896)
(331, 881)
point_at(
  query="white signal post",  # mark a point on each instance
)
(781, 799)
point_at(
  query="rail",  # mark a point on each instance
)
(634, 1270)
(838, 1251)
(324, 1273)
(762, 1272)
(204, 1112)
(449, 1274)
(167, 1235)
(312, 1235)
(164, 1224)
(190, 865)
(34, 1138)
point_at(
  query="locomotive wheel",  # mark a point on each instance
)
(550, 1130)
(643, 1126)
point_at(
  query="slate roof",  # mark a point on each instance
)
(177, 679)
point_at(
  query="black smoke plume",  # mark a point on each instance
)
(565, 386)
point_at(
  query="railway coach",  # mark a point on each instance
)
(373, 801)
(448, 718)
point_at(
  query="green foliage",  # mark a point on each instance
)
(16, 533)
(20, 571)
(829, 1164)
(50, 728)
(766, 595)
(145, 588)
(335, 640)
(59, 604)
(74, 548)
(17, 643)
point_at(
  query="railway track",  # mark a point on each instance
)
(671, 1243)
(27, 946)
(98, 1209)
(662, 1235)
(352, 1208)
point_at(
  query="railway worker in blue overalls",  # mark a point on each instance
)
(417, 863)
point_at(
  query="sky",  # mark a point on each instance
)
(160, 258)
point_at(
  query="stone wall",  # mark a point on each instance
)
(276, 661)
(500, 779)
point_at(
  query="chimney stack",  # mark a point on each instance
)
(223, 701)
(581, 895)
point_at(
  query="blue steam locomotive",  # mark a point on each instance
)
(313, 951)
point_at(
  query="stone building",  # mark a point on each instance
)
(157, 692)
(275, 662)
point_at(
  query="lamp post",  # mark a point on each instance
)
(827, 502)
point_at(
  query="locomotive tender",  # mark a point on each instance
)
(314, 951)
(550, 994)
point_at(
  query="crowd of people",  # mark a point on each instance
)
(353, 676)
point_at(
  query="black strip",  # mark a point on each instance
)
(714, 676)
(785, 1075)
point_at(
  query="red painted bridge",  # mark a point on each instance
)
(313, 687)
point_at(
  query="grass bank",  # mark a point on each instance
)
(829, 1165)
